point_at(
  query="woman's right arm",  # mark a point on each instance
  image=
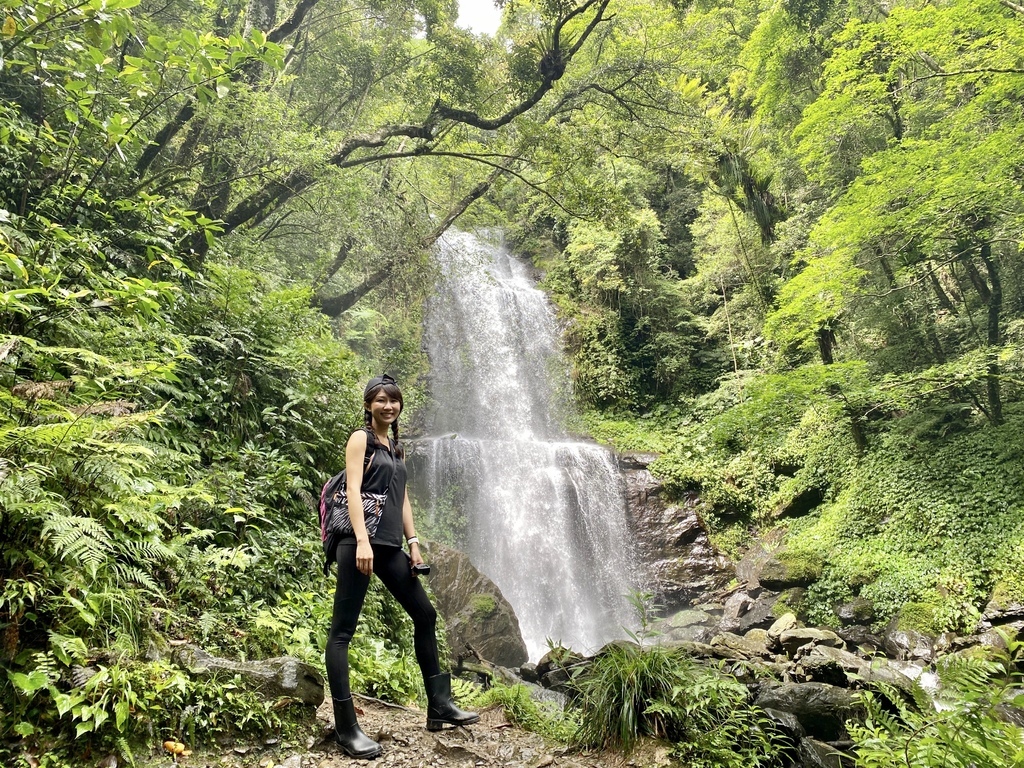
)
(355, 455)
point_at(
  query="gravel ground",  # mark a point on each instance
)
(490, 743)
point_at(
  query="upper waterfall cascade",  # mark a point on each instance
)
(542, 514)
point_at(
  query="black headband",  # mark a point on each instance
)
(377, 381)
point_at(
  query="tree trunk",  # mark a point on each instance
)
(826, 343)
(940, 293)
(995, 305)
(975, 277)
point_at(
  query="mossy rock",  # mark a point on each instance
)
(792, 600)
(791, 569)
(920, 617)
(860, 610)
(1008, 591)
(482, 606)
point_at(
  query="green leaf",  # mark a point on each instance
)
(29, 683)
(120, 714)
(14, 264)
(24, 729)
(83, 728)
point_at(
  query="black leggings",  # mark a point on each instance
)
(391, 565)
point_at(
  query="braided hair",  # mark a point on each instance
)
(392, 391)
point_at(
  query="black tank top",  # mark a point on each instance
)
(387, 473)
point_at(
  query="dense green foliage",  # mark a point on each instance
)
(961, 724)
(634, 689)
(546, 718)
(794, 271)
(785, 240)
(172, 402)
(630, 691)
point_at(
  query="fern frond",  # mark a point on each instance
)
(147, 551)
(77, 538)
(130, 575)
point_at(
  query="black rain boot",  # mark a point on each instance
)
(349, 735)
(441, 710)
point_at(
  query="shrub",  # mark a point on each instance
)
(630, 691)
(543, 717)
(959, 725)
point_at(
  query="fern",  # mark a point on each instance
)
(960, 726)
(630, 691)
(78, 538)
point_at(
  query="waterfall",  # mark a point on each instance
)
(541, 514)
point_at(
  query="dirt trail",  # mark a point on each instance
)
(491, 743)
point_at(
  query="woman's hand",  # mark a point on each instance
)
(415, 558)
(364, 557)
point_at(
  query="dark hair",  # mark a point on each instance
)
(390, 388)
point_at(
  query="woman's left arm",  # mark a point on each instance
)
(410, 531)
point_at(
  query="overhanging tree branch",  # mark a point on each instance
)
(258, 205)
(333, 306)
(963, 72)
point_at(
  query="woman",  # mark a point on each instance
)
(374, 464)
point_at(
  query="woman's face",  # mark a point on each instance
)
(384, 408)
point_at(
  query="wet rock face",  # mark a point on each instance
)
(474, 610)
(682, 564)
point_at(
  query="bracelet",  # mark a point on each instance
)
(413, 540)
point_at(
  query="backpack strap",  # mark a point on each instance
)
(371, 448)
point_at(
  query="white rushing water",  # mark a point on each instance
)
(541, 514)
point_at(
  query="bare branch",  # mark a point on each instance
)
(962, 72)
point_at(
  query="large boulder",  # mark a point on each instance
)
(908, 644)
(761, 613)
(730, 646)
(274, 678)
(558, 666)
(793, 640)
(682, 563)
(736, 606)
(474, 610)
(822, 709)
(789, 569)
(784, 623)
(688, 624)
(1002, 613)
(860, 637)
(860, 611)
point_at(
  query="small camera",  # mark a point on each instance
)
(420, 569)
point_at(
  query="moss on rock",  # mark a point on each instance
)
(919, 616)
(482, 606)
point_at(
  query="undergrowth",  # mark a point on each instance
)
(962, 723)
(547, 718)
(925, 519)
(631, 691)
